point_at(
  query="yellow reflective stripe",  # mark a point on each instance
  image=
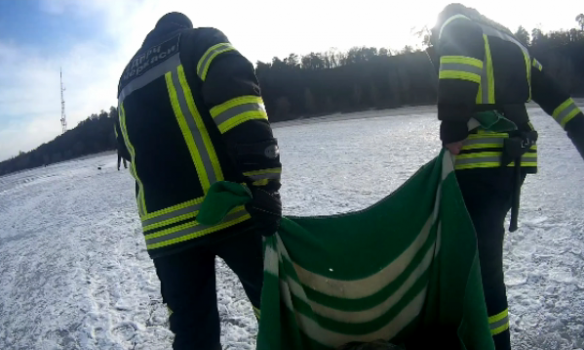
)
(484, 140)
(201, 126)
(478, 155)
(481, 133)
(209, 56)
(492, 164)
(527, 160)
(537, 65)
(263, 182)
(499, 323)
(491, 160)
(140, 197)
(188, 136)
(478, 160)
(450, 20)
(170, 217)
(569, 117)
(183, 226)
(462, 60)
(115, 131)
(460, 67)
(240, 119)
(168, 210)
(263, 172)
(238, 101)
(257, 312)
(262, 177)
(482, 145)
(200, 233)
(490, 74)
(477, 165)
(566, 112)
(528, 72)
(500, 329)
(170, 312)
(237, 111)
(486, 93)
(562, 107)
(451, 74)
(171, 230)
(498, 317)
(170, 221)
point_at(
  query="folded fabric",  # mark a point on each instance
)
(405, 269)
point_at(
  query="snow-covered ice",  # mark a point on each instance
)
(74, 273)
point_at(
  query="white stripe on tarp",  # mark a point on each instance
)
(370, 285)
(333, 339)
(438, 243)
(271, 261)
(381, 308)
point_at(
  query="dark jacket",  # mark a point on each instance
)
(191, 114)
(484, 67)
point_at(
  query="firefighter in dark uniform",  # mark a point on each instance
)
(191, 114)
(121, 147)
(482, 68)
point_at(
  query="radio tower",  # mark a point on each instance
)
(63, 118)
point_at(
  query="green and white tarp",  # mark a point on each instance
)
(397, 270)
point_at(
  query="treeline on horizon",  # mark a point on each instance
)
(363, 78)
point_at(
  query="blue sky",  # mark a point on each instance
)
(93, 39)
(49, 28)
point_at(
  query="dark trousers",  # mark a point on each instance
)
(120, 160)
(188, 287)
(488, 196)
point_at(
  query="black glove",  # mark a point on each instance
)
(266, 210)
(575, 129)
(453, 131)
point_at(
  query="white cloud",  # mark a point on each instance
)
(260, 29)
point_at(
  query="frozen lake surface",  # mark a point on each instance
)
(74, 272)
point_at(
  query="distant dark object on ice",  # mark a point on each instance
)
(98, 168)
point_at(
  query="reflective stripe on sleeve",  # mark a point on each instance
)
(461, 67)
(209, 56)
(566, 112)
(265, 174)
(499, 323)
(237, 111)
(537, 65)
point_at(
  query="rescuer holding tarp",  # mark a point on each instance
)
(486, 73)
(191, 114)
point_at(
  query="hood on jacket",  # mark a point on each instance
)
(167, 24)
